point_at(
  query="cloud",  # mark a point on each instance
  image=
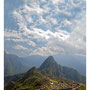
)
(57, 1)
(43, 51)
(49, 27)
(78, 35)
(31, 43)
(20, 47)
(75, 43)
(11, 33)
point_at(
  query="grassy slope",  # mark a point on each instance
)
(82, 88)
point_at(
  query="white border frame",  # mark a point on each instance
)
(1, 44)
(88, 44)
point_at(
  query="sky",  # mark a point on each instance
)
(45, 27)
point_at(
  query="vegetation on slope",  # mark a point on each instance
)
(50, 76)
(82, 88)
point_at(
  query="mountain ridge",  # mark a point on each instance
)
(60, 71)
(30, 61)
(50, 69)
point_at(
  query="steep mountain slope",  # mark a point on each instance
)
(72, 61)
(29, 81)
(35, 80)
(50, 67)
(76, 62)
(8, 79)
(72, 74)
(13, 65)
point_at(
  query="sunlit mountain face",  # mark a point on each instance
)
(45, 27)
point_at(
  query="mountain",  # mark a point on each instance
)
(34, 79)
(31, 61)
(29, 81)
(72, 74)
(13, 65)
(48, 72)
(73, 61)
(76, 62)
(32, 73)
(8, 79)
(50, 67)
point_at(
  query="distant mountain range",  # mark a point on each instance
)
(49, 76)
(72, 61)
(14, 64)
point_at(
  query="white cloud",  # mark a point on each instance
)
(34, 10)
(78, 36)
(74, 44)
(57, 1)
(39, 33)
(40, 27)
(31, 43)
(20, 47)
(43, 51)
(12, 33)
